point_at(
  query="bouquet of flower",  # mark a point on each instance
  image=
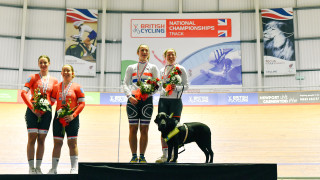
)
(40, 103)
(63, 112)
(148, 87)
(174, 78)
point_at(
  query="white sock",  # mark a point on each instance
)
(38, 163)
(55, 162)
(74, 161)
(31, 164)
(165, 152)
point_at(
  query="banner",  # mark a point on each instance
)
(278, 40)
(210, 99)
(8, 95)
(289, 97)
(92, 97)
(207, 45)
(81, 40)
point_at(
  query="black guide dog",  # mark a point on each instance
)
(188, 132)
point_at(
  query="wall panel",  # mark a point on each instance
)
(309, 54)
(163, 5)
(308, 23)
(84, 4)
(264, 4)
(308, 3)
(10, 21)
(12, 2)
(113, 83)
(284, 82)
(8, 79)
(227, 5)
(196, 5)
(248, 57)
(124, 5)
(41, 24)
(88, 83)
(35, 48)
(114, 24)
(113, 54)
(10, 49)
(311, 78)
(247, 25)
(249, 80)
(47, 3)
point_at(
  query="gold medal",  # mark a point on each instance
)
(139, 83)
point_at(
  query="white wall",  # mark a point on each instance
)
(45, 35)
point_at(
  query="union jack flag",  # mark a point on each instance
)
(86, 15)
(278, 13)
(222, 22)
(223, 33)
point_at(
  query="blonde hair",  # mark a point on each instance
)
(72, 70)
(44, 56)
(165, 52)
(147, 48)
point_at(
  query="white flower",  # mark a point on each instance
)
(41, 101)
(147, 87)
(46, 102)
(178, 78)
(173, 78)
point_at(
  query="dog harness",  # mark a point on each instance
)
(187, 130)
(175, 131)
(171, 134)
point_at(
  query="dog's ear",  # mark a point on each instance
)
(157, 120)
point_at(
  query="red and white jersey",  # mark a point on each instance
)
(136, 71)
(75, 95)
(33, 82)
(183, 86)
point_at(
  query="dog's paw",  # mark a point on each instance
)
(172, 161)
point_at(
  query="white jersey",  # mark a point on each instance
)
(177, 93)
(132, 73)
(82, 29)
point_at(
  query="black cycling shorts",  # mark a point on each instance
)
(142, 112)
(71, 130)
(32, 122)
(171, 106)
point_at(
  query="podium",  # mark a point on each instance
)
(175, 171)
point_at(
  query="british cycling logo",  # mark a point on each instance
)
(238, 99)
(147, 28)
(135, 28)
(118, 99)
(199, 99)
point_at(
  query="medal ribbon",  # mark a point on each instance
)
(65, 92)
(139, 75)
(45, 83)
(165, 76)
